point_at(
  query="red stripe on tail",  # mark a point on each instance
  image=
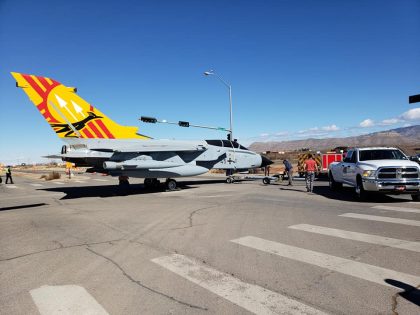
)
(87, 133)
(104, 129)
(34, 85)
(94, 129)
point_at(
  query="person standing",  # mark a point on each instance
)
(289, 171)
(9, 175)
(310, 167)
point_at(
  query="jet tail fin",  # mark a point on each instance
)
(68, 114)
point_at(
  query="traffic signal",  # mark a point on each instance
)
(414, 99)
(183, 123)
(151, 120)
(228, 136)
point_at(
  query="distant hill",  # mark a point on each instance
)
(405, 138)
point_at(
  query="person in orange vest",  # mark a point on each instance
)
(310, 167)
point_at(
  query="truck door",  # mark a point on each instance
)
(351, 169)
(345, 167)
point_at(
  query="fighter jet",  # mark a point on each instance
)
(94, 140)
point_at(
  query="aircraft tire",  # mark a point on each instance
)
(171, 184)
(155, 183)
(147, 183)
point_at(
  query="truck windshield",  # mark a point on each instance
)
(367, 155)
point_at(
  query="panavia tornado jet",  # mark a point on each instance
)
(94, 140)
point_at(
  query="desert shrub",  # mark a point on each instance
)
(52, 175)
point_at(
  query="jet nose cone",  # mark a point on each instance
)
(265, 162)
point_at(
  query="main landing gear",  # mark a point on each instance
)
(154, 183)
(123, 181)
(124, 185)
(151, 183)
(171, 184)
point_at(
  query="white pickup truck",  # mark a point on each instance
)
(379, 169)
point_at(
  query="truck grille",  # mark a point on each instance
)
(398, 173)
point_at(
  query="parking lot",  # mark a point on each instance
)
(208, 248)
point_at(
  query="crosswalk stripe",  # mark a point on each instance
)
(66, 300)
(100, 180)
(361, 237)
(380, 218)
(400, 209)
(58, 183)
(10, 186)
(248, 296)
(37, 185)
(345, 266)
(79, 181)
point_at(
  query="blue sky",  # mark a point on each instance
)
(298, 69)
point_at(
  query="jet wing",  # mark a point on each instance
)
(152, 148)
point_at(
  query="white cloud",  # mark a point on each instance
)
(412, 114)
(331, 128)
(281, 133)
(264, 134)
(367, 123)
(391, 121)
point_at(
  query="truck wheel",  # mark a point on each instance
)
(332, 183)
(361, 193)
(415, 197)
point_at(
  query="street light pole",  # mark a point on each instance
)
(211, 72)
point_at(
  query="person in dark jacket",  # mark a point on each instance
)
(9, 175)
(289, 170)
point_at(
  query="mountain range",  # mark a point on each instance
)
(407, 138)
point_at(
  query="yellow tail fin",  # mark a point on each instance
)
(68, 114)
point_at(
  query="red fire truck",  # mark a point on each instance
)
(323, 160)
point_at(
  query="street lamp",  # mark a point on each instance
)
(211, 72)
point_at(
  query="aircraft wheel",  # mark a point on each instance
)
(147, 183)
(171, 184)
(123, 181)
(266, 181)
(155, 183)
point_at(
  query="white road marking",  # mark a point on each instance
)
(100, 180)
(79, 181)
(37, 185)
(248, 296)
(214, 196)
(380, 218)
(10, 186)
(400, 209)
(338, 264)
(33, 196)
(58, 183)
(361, 237)
(66, 300)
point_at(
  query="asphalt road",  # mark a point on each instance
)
(78, 247)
